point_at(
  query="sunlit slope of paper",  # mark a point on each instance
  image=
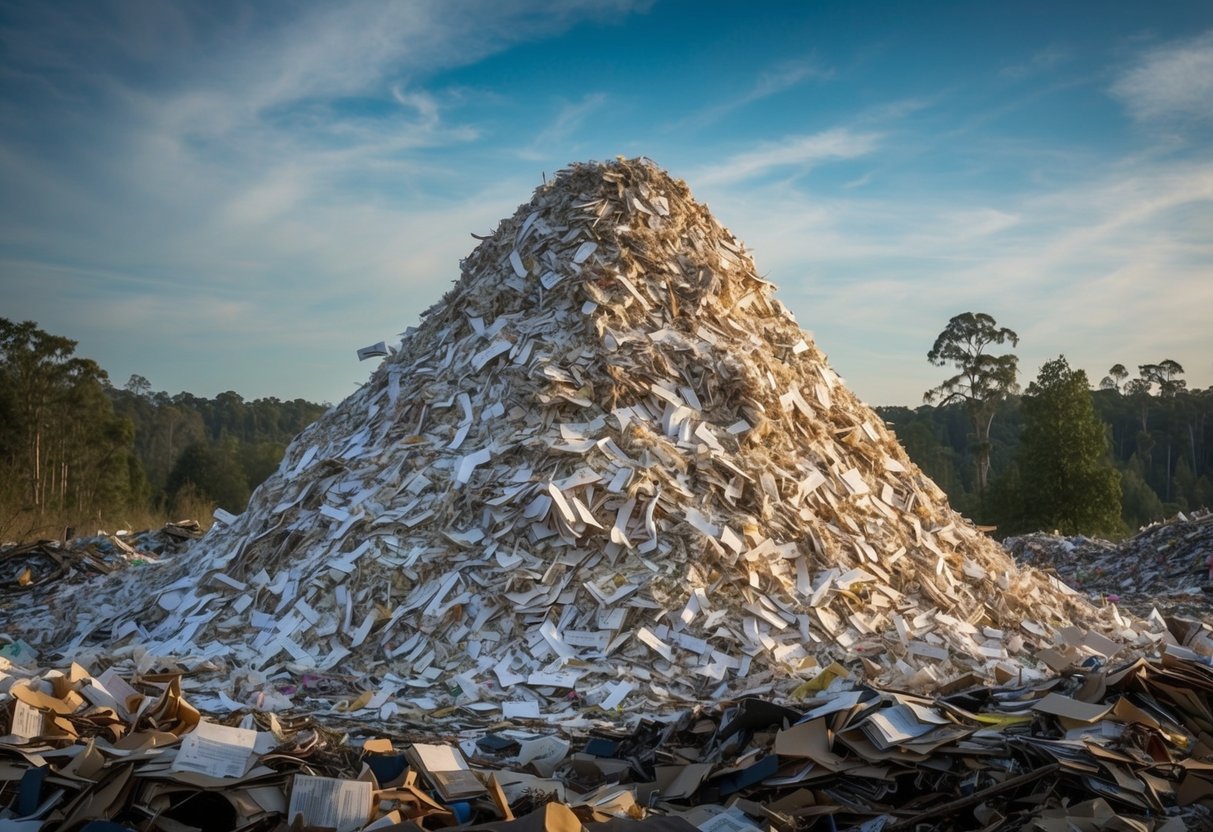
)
(609, 461)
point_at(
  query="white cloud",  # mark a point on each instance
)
(799, 152)
(1171, 82)
(860, 181)
(267, 199)
(979, 222)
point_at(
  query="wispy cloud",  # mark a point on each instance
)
(800, 153)
(773, 81)
(1173, 81)
(267, 150)
(860, 181)
(570, 117)
(1113, 265)
(1046, 60)
(979, 222)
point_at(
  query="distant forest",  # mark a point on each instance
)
(77, 451)
(1162, 444)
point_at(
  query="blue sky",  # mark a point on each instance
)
(220, 196)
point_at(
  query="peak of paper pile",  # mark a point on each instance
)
(608, 462)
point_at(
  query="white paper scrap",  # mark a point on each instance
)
(700, 522)
(215, 750)
(651, 640)
(467, 465)
(516, 262)
(854, 481)
(489, 353)
(544, 754)
(329, 803)
(563, 679)
(593, 639)
(374, 349)
(584, 251)
(526, 709)
(616, 693)
(552, 637)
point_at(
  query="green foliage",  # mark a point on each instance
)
(1006, 501)
(982, 380)
(1069, 482)
(1166, 431)
(62, 444)
(254, 434)
(73, 446)
(212, 472)
(1161, 440)
(1139, 504)
(258, 460)
(1202, 493)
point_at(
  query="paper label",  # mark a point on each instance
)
(329, 803)
(28, 721)
(216, 750)
(731, 820)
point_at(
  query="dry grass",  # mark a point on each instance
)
(19, 525)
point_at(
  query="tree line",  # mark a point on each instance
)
(76, 450)
(1063, 454)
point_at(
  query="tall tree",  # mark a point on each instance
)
(982, 379)
(1068, 480)
(1166, 374)
(65, 445)
(138, 385)
(1116, 376)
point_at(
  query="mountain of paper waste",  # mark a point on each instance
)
(607, 461)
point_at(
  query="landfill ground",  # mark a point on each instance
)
(1105, 745)
(1164, 567)
(603, 540)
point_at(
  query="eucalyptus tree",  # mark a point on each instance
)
(982, 379)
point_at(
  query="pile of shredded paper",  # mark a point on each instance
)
(608, 462)
(604, 538)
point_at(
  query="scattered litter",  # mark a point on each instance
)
(1128, 744)
(1165, 565)
(48, 564)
